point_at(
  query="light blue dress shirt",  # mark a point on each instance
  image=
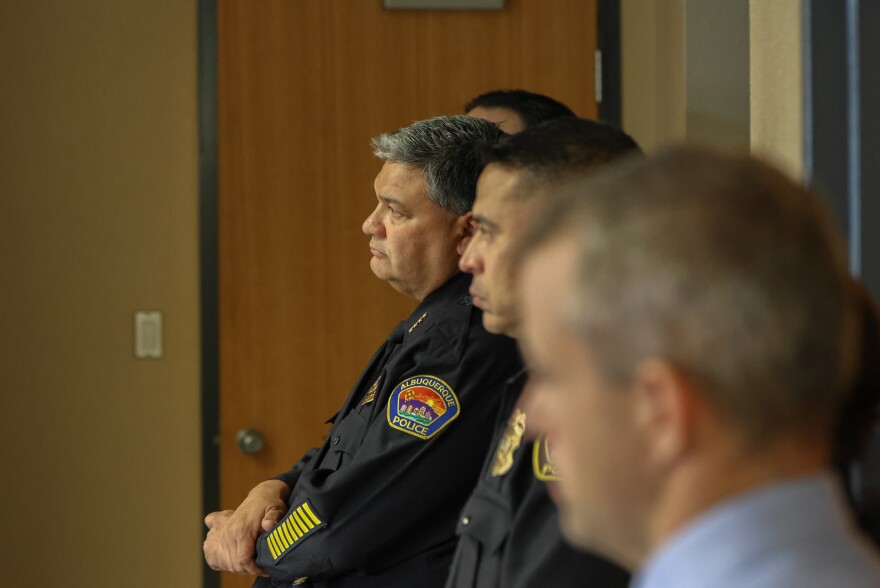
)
(793, 534)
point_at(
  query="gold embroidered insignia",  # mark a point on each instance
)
(542, 460)
(293, 529)
(417, 323)
(371, 393)
(510, 442)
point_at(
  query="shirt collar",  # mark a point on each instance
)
(748, 526)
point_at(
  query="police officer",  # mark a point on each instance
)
(377, 504)
(515, 110)
(509, 534)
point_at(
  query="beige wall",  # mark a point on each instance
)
(653, 71)
(777, 82)
(665, 98)
(98, 217)
(717, 59)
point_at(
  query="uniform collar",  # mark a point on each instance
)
(447, 308)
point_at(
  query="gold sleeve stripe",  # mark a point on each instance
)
(279, 546)
(281, 540)
(293, 529)
(273, 547)
(288, 532)
(297, 524)
(302, 520)
(278, 540)
(311, 514)
(285, 537)
(279, 536)
(291, 538)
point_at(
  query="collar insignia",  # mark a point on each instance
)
(542, 459)
(371, 393)
(418, 322)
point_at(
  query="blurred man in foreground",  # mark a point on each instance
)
(691, 332)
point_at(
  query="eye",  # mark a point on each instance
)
(394, 211)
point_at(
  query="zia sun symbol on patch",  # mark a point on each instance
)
(422, 406)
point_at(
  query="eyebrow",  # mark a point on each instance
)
(482, 220)
(387, 200)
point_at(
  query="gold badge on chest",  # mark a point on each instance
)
(510, 442)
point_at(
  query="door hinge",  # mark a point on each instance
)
(598, 70)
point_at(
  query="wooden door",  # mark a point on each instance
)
(303, 86)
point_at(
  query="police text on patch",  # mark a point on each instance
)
(422, 405)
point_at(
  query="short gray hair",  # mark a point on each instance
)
(446, 148)
(725, 268)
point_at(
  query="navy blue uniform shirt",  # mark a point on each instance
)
(378, 503)
(509, 532)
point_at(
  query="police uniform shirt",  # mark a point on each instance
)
(508, 531)
(377, 504)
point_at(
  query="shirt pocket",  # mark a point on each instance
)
(344, 441)
(486, 518)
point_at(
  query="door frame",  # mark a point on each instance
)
(608, 39)
(841, 138)
(842, 157)
(209, 258)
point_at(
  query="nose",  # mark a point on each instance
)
(471, 261)
(373, 226)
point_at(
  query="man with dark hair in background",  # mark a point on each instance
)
(376, 505)
(693, 333)
(858, 423)
(515, 110)
(508, 530)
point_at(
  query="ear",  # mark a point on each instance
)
(665, 411)
(466, 226)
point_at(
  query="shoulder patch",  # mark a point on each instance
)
(293, 529)
(422, 406)
(542, 460)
